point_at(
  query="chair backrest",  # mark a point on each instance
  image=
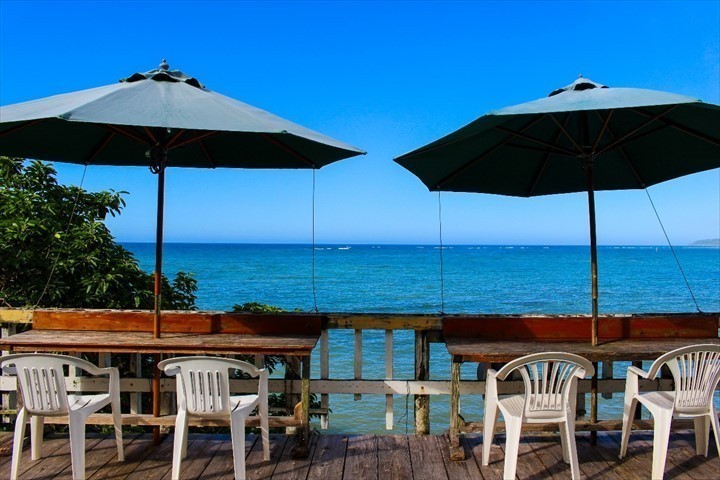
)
(696, 371)
(203, 383)
(550, 380)
(41, 380)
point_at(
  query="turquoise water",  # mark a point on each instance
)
(406, 278)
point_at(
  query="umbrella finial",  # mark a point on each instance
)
(164, 65)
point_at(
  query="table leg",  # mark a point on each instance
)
(301, 449)
(456, 450)
(156, 396)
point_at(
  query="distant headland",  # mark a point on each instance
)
(712, 242)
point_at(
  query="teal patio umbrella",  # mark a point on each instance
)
(158, 119)
(583, 137)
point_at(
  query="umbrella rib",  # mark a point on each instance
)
(567, 134)
(172, 140)
(682, 128)
(206, 153)
(546, 161)
(128, 134)
(453, 174)
(150, 134)
(542, 150)
(536, 140)
(293, 152)
(196, 138)
(100, 147)
(20, 127)
(606, 124)
(624, 138)
(638, 177)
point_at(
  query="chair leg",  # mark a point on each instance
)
(264, 428)
(628, 415)
(20, 422)
(179, 443)
(237, 435)
(715, 426)
(661, 437)
(571, 445)
(36, 436)
(513, 426)
(702, 434)
(77, 447)
(491, 416)
(117, 421)
(563, 442)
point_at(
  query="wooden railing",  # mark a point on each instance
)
(424, 330)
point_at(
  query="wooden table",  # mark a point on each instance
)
(259, 335)
(504, 339)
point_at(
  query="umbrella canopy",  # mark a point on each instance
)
(583, 137)
(157, 119)
(116, 124)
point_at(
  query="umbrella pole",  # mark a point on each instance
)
(158, 251)
(593, 252)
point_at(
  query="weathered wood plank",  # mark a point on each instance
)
(361, 457)
(174, 321)
(548, 450)
(473, 445)
(157, 463)
(142, 342)
(578, 328)
(460, 469)
(136, 451)
(329, 457)
(425, 458)
(57, 462)
(257, 468)
(477, 350)
(289, 468)
(394, 457)
(51, 447)
(104, 452)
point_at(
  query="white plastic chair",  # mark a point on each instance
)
(550, 396)
(203, 391)
(696, 371)
(43, 393)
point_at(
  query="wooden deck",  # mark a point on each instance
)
(364, 457)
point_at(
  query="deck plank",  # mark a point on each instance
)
(394, 457)
(425, 458)
(548, 450)
(361, 458)
(49, 467)
(50, 448)
(136, 451)
(457, 470)
(493, 471)
(329, 458)
(255, 466)
(290, 468)
(369, 457)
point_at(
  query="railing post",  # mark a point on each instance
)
(324, 375)
(389, 414)
(422, 372)
(357, 358)
(9, 399)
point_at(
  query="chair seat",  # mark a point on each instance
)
(514, 406)
(661, 400)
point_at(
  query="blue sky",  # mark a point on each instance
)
(387, 78)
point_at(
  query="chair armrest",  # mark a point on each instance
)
(637, 372)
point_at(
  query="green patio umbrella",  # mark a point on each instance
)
(158, 119)
(583, 137)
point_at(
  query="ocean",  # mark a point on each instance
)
(510, 279)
